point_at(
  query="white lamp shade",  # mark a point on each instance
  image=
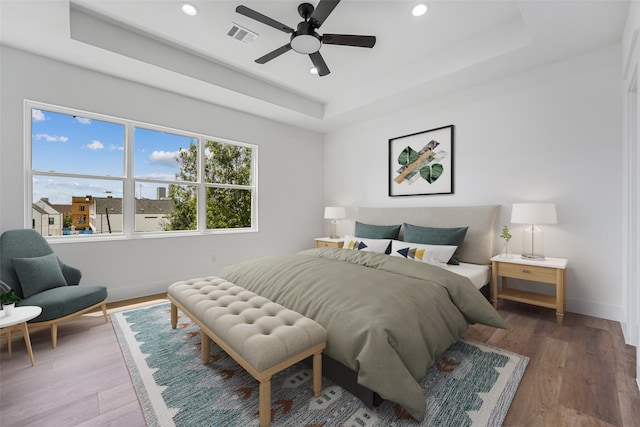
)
(334, 212)
(534, 213)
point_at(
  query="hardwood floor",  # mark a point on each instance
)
(579, 374)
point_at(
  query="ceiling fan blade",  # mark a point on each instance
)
(322, 11)
(319, 63)
(274, 54)
(349, 40)
(244, 10)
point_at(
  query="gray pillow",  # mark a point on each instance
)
(437, 236)
(38, 274)
(369, 231)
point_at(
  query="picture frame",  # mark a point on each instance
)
(421, 163)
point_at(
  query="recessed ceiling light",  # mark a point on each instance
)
(420, 9)
(313, 70)
(189, 9)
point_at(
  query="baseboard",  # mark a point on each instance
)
(595, 309)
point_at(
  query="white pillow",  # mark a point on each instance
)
(369, 245)
(431, 254)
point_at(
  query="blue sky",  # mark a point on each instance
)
(79, 145)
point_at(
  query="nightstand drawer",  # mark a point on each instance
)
(527, 272)
(327, 244)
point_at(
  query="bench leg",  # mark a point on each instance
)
(204, 347)
(317, 374)
(265, 402)
(174, 316)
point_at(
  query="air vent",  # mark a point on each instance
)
(240, 33)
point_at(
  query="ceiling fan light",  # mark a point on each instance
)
(313, 70)
(189, 9)
(420, 9)
(305, 44)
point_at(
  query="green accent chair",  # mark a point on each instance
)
(31, 268)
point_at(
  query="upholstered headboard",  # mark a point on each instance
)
(477, 247)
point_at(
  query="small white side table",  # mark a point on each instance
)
(18, 320)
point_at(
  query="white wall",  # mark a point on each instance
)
(553, 134)
(290, 201)
(631, 183)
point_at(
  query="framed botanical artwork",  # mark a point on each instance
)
(421, 163)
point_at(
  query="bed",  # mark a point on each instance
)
(387, 317)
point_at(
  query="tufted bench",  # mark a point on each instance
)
(262, 336)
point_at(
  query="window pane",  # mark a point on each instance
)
(228, 208)
(77, 205)
(184, 216)
(152, 213)
(73, 144)
(106, 215)
(227, 163)
(165, 156)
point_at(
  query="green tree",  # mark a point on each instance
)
(227, 207)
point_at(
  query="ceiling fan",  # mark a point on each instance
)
(305, 39)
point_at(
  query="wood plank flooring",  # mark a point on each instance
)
(579, 374)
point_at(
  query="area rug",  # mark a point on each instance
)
(471, 384)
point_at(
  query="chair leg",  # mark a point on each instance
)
(9, 342)
(54, 334)
(104, 311)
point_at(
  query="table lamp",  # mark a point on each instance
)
(532, 237)
(334, 214)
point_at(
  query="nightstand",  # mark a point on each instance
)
(551, 270)
(327, 242)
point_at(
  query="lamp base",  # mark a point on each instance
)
(334, 229)
(533, 257)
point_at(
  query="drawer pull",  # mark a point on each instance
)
(524, 270)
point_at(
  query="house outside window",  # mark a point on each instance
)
(110, 176)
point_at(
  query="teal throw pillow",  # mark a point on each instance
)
(377, 231)
(437, 236)
(38, 274)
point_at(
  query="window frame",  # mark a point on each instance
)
(129, 179)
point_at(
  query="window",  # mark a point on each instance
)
(105, 175)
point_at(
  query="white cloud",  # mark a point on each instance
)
(158, 176)
(95, 145)
(116, 147)
(51, 138)
(166, 158)
(83, 120)
(37, 115)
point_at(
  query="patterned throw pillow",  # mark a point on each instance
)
(431, 254)
(369, 245)
(437, 236)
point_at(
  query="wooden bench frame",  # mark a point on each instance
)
(264, 377)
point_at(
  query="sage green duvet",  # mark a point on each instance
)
(387, 318)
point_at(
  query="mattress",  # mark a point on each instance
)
(479, 275)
